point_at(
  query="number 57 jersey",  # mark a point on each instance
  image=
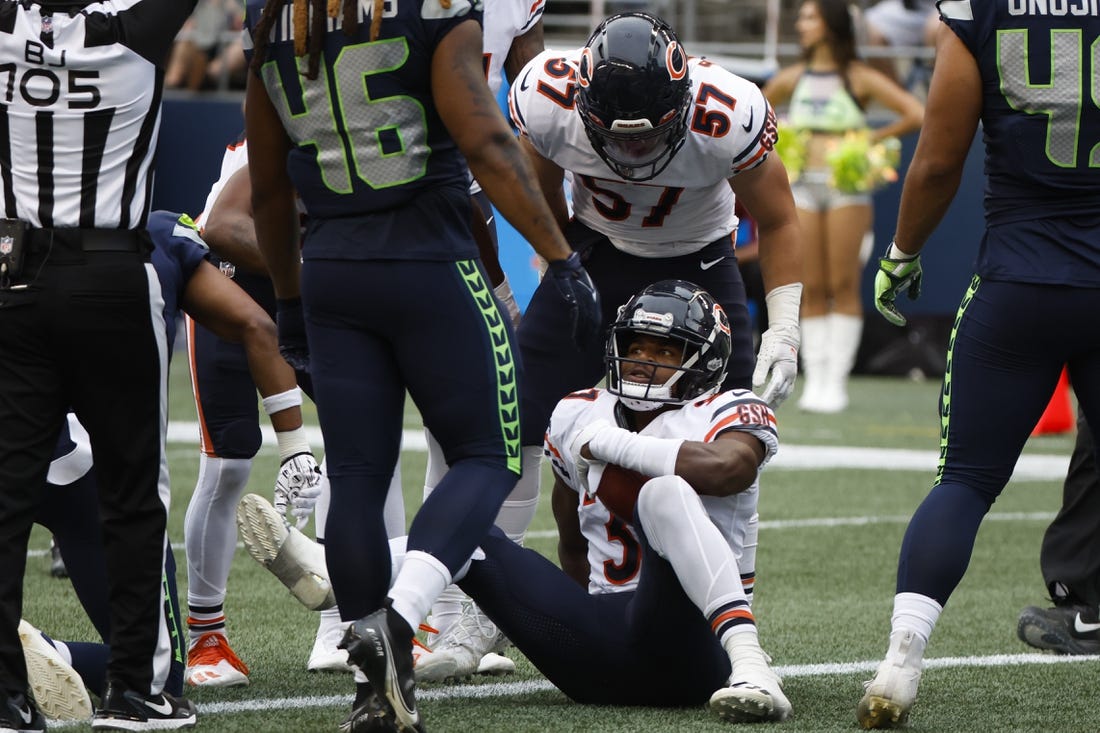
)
(614, 558)
(731, 128)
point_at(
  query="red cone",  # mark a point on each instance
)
(1058, 417)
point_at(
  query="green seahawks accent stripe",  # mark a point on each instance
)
(507, 397)
(175, 631)
(945, 394)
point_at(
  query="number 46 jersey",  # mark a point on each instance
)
(612, 544)
(366, 132)
(731, 128)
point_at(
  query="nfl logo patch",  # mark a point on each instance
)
(6, 245)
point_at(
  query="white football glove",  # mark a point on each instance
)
(778, 356)
(778, 353)
(582, 464)
(297, 487)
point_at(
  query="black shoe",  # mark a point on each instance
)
(122, 709)
(17, 713)
(380, 644)
(57, 564)
(368, 713)
(1062, 629)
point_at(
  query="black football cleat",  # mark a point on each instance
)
(380, 644)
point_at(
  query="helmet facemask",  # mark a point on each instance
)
(676, 310)
(634, 95)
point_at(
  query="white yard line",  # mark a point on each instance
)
(526, 687)
(791, 457)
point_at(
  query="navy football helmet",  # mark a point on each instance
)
(674, 309)
(633, 94)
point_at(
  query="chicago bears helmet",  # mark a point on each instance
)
(633, 94)
(674, 309)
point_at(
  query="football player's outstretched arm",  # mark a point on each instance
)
(572, 546)
(766, 192)
(478, 127)
(273, 202)
(220, 305)
(229, 229)
(953, 108)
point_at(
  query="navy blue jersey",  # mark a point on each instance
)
(368, 136)
(1041, 128)
(177, 252)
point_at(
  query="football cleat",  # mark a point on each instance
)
(755, 692)
(1061, 629)
(380, 645)
(57, 688)
(470, 646)
(888, 698)
(327, 656)
(368, 713)
(57, 563)
(212, 663)
(122, 709)
(17, 713)
(297, 561)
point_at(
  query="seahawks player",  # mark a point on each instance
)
(1031, 79)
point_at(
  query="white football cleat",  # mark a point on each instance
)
(211, 662)
(57, 688)
(326, 656)
(755, 691)
(297, 561)
(459, 652)
(889, 697)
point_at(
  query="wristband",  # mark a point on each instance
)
(893, 253)
(282, 401)
(292, 442)
(783, 304)
(645, 454)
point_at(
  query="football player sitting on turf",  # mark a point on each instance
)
(646, 471)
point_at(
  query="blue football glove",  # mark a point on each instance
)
(895, 276)
(582, 299)
(292, 332)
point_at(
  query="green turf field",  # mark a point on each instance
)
(825, 582)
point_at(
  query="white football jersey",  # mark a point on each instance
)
(614, 557)
(504, 21)
(234, 158)
(731, 128)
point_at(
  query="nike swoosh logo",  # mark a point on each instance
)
(163, 707)
(712, 263)
(523, 82)
(490, 219)
(393, 685)
(25, 715)
(747, 127)
(1082, 627)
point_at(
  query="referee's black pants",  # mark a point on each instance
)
(85, 329)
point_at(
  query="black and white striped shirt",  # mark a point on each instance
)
(80, 94)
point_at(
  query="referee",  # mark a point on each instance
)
(81, 323)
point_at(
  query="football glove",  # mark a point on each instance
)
(894, 276)
(778, 356)
(292, 332)
(580, 296)
(582, 464)
(297, 487)
(778, 353)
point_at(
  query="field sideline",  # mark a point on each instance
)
(833, 509)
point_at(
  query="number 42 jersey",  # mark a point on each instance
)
(613, 558)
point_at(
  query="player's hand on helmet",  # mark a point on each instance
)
(582, 299)
(291, 325)
(297, 488)
(896, 275)
(576, 450)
